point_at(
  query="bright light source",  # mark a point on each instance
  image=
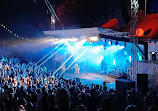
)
(93, 39)
(53, 20)
(139, 32)
(102, 57)
(69, 40)
(114, 62)
(54, 39)
(73, 39)
(140, 58)
(130, 58)
(100, 60)
(110, 42)
(79, 44)
(153, 52)
(121, 47)
(98, 48)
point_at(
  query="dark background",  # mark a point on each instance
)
(29, 18)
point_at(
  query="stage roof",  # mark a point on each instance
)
(83, 33)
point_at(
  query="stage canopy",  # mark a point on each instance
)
(84, 33)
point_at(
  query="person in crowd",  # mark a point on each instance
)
(131, 108)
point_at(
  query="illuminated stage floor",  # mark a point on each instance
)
(93, 78)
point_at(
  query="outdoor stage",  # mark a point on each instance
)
(94, 78)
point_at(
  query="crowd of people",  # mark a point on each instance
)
(25, 88)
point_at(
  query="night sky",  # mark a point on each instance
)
(29, 18)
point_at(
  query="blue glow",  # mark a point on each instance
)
(97, 48)
(125, 52)
(79, 44)
(96, 58)
(72, 46)
(95, 55)
(140, 58)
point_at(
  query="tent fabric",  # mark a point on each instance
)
(150, 68)
(112, 24)
(84, 32)
(73, 32)
(152, 47)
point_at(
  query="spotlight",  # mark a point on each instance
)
(110, 42)
(139, 32)
(53, 20)
(153, 52)
(116, 43)
(130, 58)
(114, 62)
(93, 39)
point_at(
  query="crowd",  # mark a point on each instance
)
(25, 88)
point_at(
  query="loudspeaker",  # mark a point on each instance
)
(122, 85)
(154, 56)
(142, 83)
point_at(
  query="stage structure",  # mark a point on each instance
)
(53, 15)
(105, 35)
(150, 68)
(134, 39)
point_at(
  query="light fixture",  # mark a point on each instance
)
(93, 39)
(110, 42)
(116, 43)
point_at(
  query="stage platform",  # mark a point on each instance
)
(94, 78)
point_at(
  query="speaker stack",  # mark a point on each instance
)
(142, 83)
(122, 85)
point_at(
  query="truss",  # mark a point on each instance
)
(133, 39)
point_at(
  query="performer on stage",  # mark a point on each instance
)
(76, 68)
(116, 72)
